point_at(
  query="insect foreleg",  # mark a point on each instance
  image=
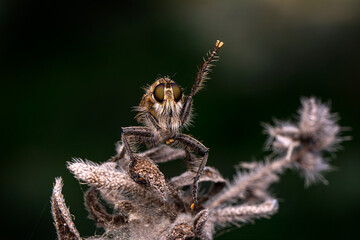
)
(200, 79)
(138, 135)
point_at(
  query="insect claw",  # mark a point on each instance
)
(219, 44)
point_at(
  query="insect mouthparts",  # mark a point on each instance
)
(171, 113)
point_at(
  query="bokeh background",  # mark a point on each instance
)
(71, 71)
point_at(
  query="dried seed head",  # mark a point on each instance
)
(317, 128)
(318, 125)
(146, 173)
(242, 214)
(100, 214)
(146, 206)
(182, 231)
(313, 165)
(208, 174)
(61, 215)
(201, 223)
(283, 136)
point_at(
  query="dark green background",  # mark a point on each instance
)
(71, 71)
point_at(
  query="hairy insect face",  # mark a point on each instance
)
(164, 100)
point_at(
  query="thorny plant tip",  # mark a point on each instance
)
(145, 204)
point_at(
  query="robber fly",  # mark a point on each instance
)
(164, 110)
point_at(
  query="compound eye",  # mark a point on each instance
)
(159, 92)
(176, 91)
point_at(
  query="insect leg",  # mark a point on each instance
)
(193, 145)
(153, 121)
(200, 79)
(138, 134)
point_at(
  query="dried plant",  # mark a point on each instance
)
(158, 208)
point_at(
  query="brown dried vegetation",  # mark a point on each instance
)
(154, 207)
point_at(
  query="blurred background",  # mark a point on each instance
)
(71, 71)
